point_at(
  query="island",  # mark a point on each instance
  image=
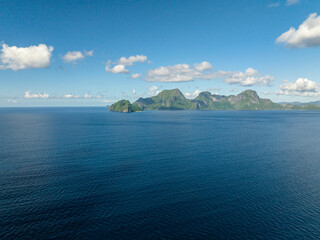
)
(124, 106)
(175, 100)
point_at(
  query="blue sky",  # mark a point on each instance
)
(68, 53)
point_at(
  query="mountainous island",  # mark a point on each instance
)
(175, 100)
(124, 106)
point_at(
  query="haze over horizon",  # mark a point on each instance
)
(58, 53)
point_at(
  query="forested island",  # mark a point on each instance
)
(175, 100)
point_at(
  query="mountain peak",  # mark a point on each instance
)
(205, 93)
(173, 92)
(249, 92)
(170, 94)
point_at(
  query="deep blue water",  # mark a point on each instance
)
(81, 173)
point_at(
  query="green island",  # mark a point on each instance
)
(175, 100)
(124, 106)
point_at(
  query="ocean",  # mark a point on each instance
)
(86, 173)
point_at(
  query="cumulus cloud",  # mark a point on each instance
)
(132, 59)
(176, 73)
(292, 2)
(18, 58)
(184, 73)
(192, 95)
(73, 56)
(248, 78)
(133, 92)
(116, 69)
(307, 34)
(28, 94)
(120, 66)
(202, 66)
(135, 75)
(301, 87)
(76, 55)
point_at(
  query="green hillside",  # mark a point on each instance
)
(124, 106)
(175, 100)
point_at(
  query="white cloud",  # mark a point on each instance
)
(132, 59)
(248, 78)
(135, 75)
(292, 2)
(176, 73)
(307, 34)
(301, 87)
(79, 96)
(184, 73)
(73, 56)
(12, 101)
(120, 66)
(133, 92)
(193, 95)
(28, 94)
(202, 66)
(116, 69)
(17, 58)
(300, 94)
(68, 96)
(76, 55)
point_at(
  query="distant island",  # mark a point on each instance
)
(124, 106)
(175, 100)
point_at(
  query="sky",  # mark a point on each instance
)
(93, 53)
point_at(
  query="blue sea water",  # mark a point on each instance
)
(86, 173)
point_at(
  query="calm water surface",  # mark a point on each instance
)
(81, 173)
